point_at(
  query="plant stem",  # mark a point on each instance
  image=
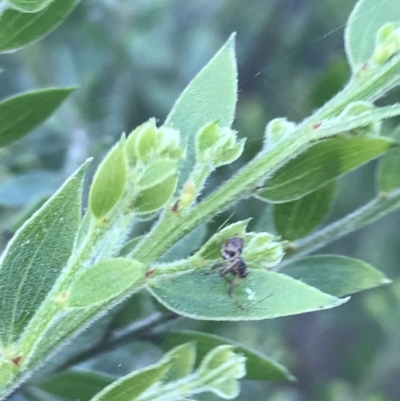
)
(374, 210)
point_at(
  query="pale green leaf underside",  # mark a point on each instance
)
(131, 386)
(17, 29)
(60, 330)
(296, 219)
(210, 96)
(104, 281)
(320, 164)
(22, 113)
(263, 294)
(364, 22)
(183, 359)
(109, 181)
(258, 366)
(36, 255)
(336, 275)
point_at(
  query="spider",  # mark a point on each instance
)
(233, 263)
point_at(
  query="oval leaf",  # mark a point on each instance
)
(363, 24)
(335, 275)
(154, 198)
(109, 181)
(258, 366)
(183, 357)
(18, 28)
(22, 113)
(157, 172)
(296, 219)
(263, 294)
(131, 386)
(320, 164)
(211, 96)
(36, 255)
(104, 281)
(76, 385)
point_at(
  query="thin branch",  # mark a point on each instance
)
(120, 337)
(374, 210)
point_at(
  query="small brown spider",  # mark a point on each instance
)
(233, 263)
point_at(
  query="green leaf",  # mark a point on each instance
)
(76, 385)
(109, 181)
(363, 24)
(296, 219)
(104, 281)
(220, 369)
(154, 198)
(323, 162)
(203, 295)
(183, 358)
(335, 275)
(22, 113)
(258, 366)
(388, 177)
(157, 172)
(58, 331)
(36, 255)
(17, 28)
(29, 6)
(131, 386)
(211, 96)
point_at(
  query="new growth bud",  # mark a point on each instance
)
(217, 146)
(387, 43)
(276, 130)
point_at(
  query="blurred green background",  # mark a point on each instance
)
(131, 59)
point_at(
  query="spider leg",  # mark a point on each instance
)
(232, 284)
(218, 264)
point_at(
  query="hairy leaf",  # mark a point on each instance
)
(103, 281)
(336, 275)
(183, 357)
(36, 255)
(203, 295)
(131, 386)
(211, 96)
(109, 181)
(320, 164)
(152, 199)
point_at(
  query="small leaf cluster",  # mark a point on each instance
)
(142, 167)
(173, 379)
